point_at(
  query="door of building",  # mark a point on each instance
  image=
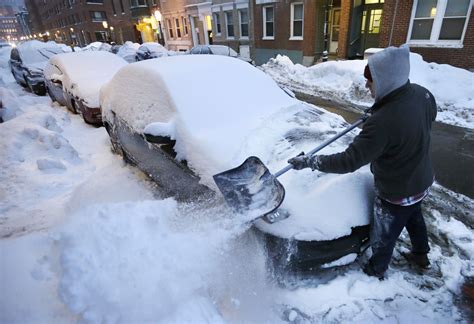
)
(370, 26)
(365, 26)
(334, 32)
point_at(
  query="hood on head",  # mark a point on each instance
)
(390, 69)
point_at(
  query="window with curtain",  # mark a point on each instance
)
(297, 20)
(244, 22)
(230, 24)
(268, 22)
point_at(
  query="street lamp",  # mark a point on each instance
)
(105, 24)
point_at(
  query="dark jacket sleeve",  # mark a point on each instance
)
(366, 147)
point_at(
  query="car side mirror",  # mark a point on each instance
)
(57, 82)
(158, 139)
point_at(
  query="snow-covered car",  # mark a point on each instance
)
(217, 50)
(97, 46)
(27, 62)
(74, 80)
(151, 50)
(128, 51)
(180, 135)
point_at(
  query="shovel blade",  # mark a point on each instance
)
(251, 189)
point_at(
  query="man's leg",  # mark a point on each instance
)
(389, 221)
(416, 228)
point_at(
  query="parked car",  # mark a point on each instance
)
(96, 46)
(74, 80)
(151, 50)
(180, 135)
(217, 50)
(128, 51)
(4, 44)
(27, 62)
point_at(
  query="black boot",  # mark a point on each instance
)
(370, 271)
(419, 260)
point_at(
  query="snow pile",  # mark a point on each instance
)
(343, 79)
(451, 86)
(148, 247)
(84, 73)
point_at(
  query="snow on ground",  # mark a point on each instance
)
(343, 80)
(86, 238)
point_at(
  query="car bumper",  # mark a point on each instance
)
(91, 115)
(290, 255)
(37, 86)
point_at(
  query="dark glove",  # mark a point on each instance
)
(303, 161)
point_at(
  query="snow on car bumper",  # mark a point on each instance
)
(300, 256)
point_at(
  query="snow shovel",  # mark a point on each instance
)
(251, 189)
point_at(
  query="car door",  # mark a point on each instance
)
(173, 178)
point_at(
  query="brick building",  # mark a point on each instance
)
(441, 31)
(83, 22)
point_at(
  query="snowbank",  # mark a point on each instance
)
(84, 73)
(451, 86)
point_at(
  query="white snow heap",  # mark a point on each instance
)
(452, 87)
(84, 73)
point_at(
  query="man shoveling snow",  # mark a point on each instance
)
(395, 140)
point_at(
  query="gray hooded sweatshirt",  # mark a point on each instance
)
(396, 137)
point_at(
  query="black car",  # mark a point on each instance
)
(27, 62)
(151, 50)
(180, 134)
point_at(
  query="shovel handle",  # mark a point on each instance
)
(327, 142)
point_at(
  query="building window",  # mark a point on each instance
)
(98, 16)
(296, 21)
(439, 22)
(185, 25)
(244, 23)
(230, 24)
(268, 23)
(95, 1)
(217, 23)
(138, 3)
(178, 28)
(170, 28)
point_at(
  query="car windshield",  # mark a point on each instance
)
(223, 50)
(39, 55)
(201, 50)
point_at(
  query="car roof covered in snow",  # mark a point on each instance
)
(84, 73)
(221, 110)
